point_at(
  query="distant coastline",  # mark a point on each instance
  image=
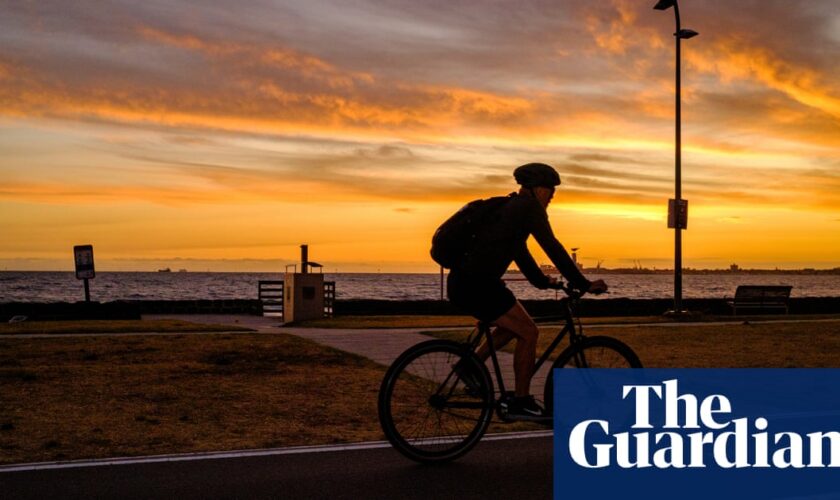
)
(688, 270)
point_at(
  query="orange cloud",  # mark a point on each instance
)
(614, 30)
(250, 54)
(5, 70)
(734, 59)
(345, 103)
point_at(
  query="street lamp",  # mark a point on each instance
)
(677, 208)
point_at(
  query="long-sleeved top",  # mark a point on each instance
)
(502, 240)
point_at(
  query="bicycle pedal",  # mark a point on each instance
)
(503, 403)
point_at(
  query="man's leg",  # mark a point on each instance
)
(501, 338)
(518, 322)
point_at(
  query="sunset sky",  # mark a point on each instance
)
(221, 134)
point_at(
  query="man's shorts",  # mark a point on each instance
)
(485, 298)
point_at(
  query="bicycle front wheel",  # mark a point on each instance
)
(592, 352)
(428, 412)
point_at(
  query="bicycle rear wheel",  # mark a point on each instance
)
(592, 352)
(428, 413)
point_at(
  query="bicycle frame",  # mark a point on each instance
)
(444, 434)
(485, 330)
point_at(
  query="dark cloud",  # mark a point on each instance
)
(392, 65)
(409, 74)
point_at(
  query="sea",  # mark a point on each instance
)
(42, 286)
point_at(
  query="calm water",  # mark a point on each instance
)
(63, 286)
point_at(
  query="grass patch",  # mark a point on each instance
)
(114, 326)
(767, 345)
(86, 397)
(749, 345)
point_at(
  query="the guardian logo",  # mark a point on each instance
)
(696, 434)
(708, 426)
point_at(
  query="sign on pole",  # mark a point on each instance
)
(677, 218)
(83, 255)
(84, 262)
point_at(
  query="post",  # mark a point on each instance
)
(87, 290)
(679, 224)
(678, 175)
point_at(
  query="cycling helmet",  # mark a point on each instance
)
(533, 175)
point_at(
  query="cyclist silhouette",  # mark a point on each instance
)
(475, 284)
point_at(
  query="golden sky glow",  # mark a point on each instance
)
(224, 134)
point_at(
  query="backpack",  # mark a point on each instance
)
(455, 238)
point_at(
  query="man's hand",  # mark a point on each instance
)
(597, 286)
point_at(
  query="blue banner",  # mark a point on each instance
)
(697, 433)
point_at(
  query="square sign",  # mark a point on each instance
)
(677, 217)
(84, 261)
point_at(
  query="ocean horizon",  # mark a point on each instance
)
(62, 286)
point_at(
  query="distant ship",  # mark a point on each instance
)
(182, 270)
(165, 270)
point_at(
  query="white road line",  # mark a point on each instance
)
(215, 455)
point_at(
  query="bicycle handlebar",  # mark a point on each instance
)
(571, 292)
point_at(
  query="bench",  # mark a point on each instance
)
(758, 297)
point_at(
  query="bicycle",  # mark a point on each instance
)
(431, 414)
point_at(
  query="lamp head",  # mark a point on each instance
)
(664, 4)
(685, 34)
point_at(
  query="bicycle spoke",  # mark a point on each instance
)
(429, 409)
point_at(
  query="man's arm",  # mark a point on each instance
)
(528, 266)
(542, 232)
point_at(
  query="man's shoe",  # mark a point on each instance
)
(524, 408)
(467, 373)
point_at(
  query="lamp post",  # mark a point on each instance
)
(678, 208)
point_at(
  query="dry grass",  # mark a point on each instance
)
(765, 345)
(84, 397)
(769, 345)
(112, 326)
(63, 398)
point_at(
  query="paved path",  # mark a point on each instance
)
(381, 345)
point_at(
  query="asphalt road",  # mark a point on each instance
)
(515, 468)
